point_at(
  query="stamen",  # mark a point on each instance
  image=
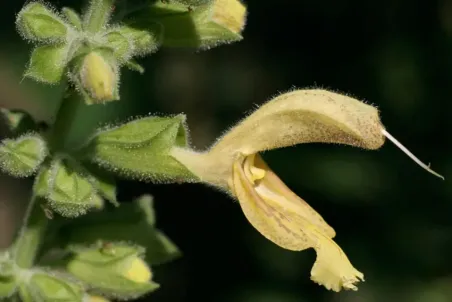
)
(257, 173)
(411, 155)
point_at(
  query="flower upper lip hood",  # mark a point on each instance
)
(305, 116)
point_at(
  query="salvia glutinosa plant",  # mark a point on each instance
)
(98, 249)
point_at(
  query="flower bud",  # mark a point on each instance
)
(114, 270)
(197, 23)
(99, 78)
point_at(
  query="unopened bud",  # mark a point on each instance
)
(99, 78)
(113, 269)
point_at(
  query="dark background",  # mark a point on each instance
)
(391, 217)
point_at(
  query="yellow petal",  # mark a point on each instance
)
(272, 199)
(332, 268)
(98, 77)
(287, 220)
(265, 217)
(138, 271)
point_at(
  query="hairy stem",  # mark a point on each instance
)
(33, 230)
(30, 237)
(64, 120)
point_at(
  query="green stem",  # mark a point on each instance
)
(33, 230)
(98, 15)
(64, 120)
(30, 238)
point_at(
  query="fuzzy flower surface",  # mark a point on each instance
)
(233, 164)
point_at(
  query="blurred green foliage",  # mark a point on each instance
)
(392, 218)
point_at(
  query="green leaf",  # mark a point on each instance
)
(37, 22)
(204, 26)
(21, 157)
(47, 286)
(18, 121)
(140, 149)
(47, 63)
(113, 269)
(72, 17)
(132, 222)
(67, 188)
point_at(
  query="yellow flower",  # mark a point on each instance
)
(233, 164)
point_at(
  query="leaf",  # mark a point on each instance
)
(22, 157)
(140, 149)
(204, 26)
(47, 63)
(132, 222)
(37, 22)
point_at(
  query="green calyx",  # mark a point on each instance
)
(140, 149)
(112, 269)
